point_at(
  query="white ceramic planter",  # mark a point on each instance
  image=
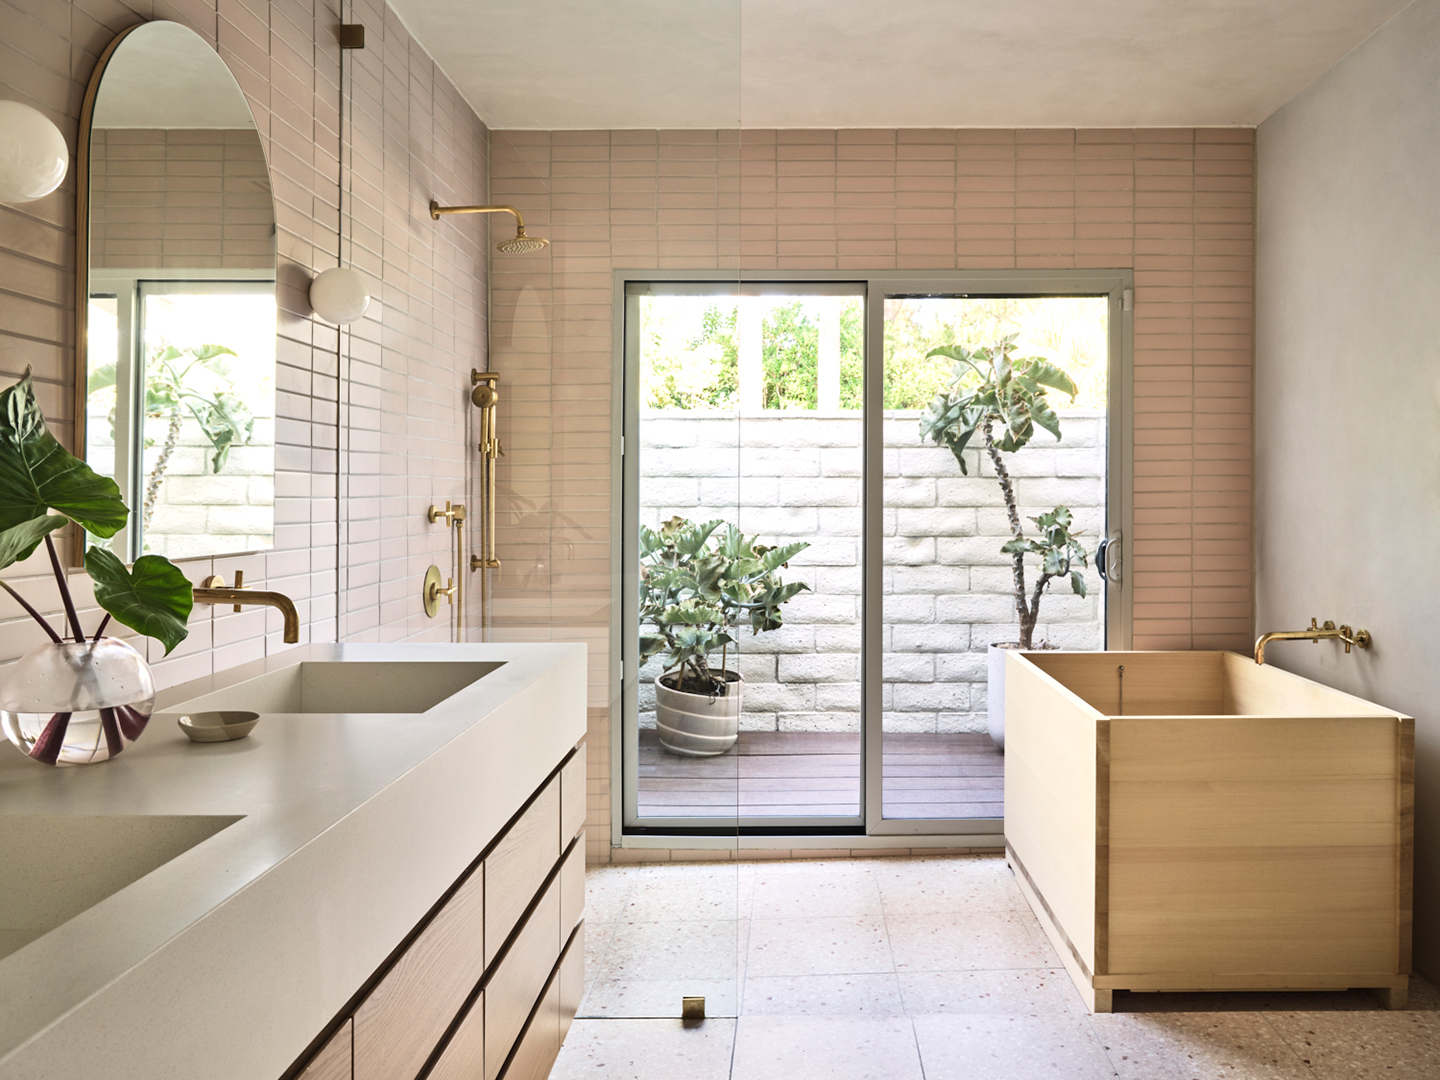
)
(698, 725)
(995, 690)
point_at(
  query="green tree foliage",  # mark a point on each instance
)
(689, 357)
(1068, 331)
(688, 368)
(791, 358)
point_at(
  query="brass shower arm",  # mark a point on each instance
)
(436, 210)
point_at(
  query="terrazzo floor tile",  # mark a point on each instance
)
(1011, 1048)
(816, 890)
(827, 996)
(1364, 1045)
(995, 940)
(646, 1050)
(1027, 992)
(659, 998)
(606, 888)
(825, 1048)
(956, 884)
(675, 950)
(822, 995)
(1197, 1046)
(597, 944)
(818, 947)
(692, 893)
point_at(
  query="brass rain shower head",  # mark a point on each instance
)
(519, 244)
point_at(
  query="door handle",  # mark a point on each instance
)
(1108, 558)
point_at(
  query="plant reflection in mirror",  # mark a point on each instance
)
(171, 391)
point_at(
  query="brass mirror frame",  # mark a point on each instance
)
(80, 401)
(82, 268)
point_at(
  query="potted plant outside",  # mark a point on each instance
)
(84, 700)
(698, 585)
(1002, 398)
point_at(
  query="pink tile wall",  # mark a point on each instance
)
(180, 198)
(1175, 205)
(373, 423)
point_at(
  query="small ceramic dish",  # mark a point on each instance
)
(218, 726)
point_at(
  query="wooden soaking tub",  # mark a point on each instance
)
(1226, 827)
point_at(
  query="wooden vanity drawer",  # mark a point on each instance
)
(572, 888)
(572, 796)
(541, 1044)
(399, 1023)
(518, 866)
(516, 984)
(333, 1060)
(464, 1056)
(572, 980)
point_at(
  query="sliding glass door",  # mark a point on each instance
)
(747, 414)
(806, 417)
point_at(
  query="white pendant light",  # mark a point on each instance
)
(33, 154)
(339, 295)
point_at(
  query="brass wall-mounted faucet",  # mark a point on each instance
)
(213, 590)
(1359, 638)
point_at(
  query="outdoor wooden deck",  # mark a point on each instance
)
(817, 774)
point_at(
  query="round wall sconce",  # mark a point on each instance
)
(339, 295)
(33, 154)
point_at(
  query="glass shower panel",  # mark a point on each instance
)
(949, 588)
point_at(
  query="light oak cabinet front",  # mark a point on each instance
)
(407, 1013)
(334, 1060)
(488, 984)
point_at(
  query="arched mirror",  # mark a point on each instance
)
(176, 305)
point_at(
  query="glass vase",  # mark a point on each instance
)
(75, 704)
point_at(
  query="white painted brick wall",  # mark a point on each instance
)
(947, 586)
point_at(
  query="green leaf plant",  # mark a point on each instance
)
(1001, 398)
(698, 585)
(38, 475)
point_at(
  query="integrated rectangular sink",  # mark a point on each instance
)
(58, 865)
(347, 687)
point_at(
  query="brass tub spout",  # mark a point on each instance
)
(1359, 638)
(213, 590)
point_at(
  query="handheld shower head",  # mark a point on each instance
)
(519, 244)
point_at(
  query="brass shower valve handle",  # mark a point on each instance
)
(450, 514)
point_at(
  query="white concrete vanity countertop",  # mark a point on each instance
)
(229, 959)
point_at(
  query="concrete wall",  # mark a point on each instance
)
(789, 477)
(383, 408)
(1347, 420)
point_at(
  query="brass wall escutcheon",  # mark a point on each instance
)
(432, 591)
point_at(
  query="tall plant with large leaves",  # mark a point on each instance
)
(37, 476)
(698, 585)
(1002, 398)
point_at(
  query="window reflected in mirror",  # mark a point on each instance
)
(179, 399)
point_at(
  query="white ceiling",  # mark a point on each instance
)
(554, 64)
